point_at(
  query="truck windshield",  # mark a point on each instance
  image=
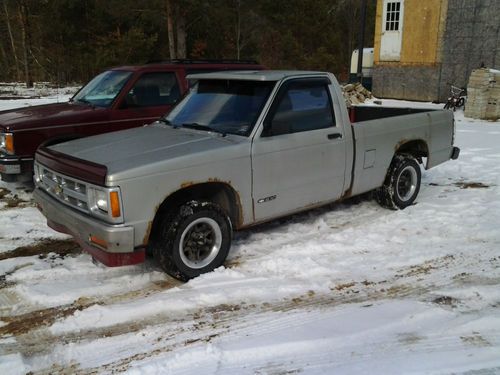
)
(103, 89)
(224, 106)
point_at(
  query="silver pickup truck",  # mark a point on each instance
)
(240, 149)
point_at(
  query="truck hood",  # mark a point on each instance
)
(41, 115)
(151, 149)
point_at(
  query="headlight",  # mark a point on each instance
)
(7, 142)
(105, 203)
(101, 200)
(37, 175)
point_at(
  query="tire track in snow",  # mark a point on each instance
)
(208, 324)
(43, 246)
(395, 287)
(33, 320)
(39, 339)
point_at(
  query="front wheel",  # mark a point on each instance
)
(194, 240)
(402, 183)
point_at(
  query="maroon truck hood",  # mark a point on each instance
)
(49, 114)
(71, 166)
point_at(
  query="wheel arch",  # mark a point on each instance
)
(218, 192)
(417, 148)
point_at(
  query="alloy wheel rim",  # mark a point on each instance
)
(200, 242)
(406, 183)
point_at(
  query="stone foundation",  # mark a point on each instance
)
(406, 82)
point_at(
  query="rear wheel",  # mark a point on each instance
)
(194, 240)
(402, 183)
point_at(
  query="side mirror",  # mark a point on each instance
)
(268, 130)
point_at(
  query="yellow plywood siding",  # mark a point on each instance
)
(423, 26)
(378, 32)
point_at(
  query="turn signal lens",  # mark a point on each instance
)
(99, 242)
(115, 204)
(8, 142)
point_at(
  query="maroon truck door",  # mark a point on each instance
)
(151, 95)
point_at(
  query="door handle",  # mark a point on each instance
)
(334, 136)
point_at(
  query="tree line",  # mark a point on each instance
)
(65, 41)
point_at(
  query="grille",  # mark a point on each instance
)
(65, 189)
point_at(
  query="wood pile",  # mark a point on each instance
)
(355, 93)
(483, 94)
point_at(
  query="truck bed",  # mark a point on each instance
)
(367, 113)
(380, 131)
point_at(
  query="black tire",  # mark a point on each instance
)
(447, 105)
(194, 240)
(460, 102)
(402, 183)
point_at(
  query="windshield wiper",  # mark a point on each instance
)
(197, 126)
(85, 101)
(166, 122)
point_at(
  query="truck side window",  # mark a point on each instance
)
(301, 107)
(154, 89)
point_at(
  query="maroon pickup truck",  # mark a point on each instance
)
(119, 98)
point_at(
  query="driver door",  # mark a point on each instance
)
(299, 158)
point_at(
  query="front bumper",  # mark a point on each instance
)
(11, 164)
(118, 239)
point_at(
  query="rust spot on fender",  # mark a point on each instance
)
(215, 179)
(186, 184)
(401, 143)
(240, 210)
(347, 194)
(145, 240)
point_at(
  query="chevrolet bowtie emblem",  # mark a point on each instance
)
(58, 189)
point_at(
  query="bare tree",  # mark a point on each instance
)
(170, 29)
(245, 32)
(238, 29)
(26, 32)
(11, 37)
(181, 32)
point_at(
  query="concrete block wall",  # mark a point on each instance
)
(411, 82)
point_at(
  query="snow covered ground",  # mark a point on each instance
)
(350, 288)
(17, 95)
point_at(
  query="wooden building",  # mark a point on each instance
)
(423, 46)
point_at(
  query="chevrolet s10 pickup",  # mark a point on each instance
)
(240, 149)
